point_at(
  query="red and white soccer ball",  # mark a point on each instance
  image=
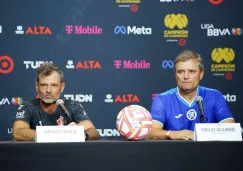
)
(134, 122)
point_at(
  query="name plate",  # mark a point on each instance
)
(60, 134)
(217, 132)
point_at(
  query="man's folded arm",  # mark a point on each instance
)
(22, 131)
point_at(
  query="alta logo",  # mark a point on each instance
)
(34, 64)
(35, 30)
(124, 98)
(79, 97)
(132, 30)
(92, 64)
(128, 64)
(108, 132)
(83, 30)
(230, 98)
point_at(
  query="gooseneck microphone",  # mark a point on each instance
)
(199, 101)
(60, 102)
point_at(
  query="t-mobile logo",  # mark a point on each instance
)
(128, 64)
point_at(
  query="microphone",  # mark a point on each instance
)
(199, 101)
(60, 102)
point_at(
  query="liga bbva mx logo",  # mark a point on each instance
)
(223, 57)
(176, 24)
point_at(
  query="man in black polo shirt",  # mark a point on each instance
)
(44, 111)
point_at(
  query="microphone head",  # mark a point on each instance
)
(59, 102)
(198, 99)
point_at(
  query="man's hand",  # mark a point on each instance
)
(182, 135)
(72, 124)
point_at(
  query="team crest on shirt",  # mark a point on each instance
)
(191, 114)
(60, 121)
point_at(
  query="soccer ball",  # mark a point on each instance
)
(134, 122)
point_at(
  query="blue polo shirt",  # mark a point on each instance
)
(175, 113)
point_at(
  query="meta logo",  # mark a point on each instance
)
(230, 98)
(17, 100)
(90, 30)
(35, 30)
(92, 64)
(132, 30)
(33, 64)
(124, 98)
(6, 64)
(167, 64)
(212, 31)
(79, 97)
(215, 2)
(128, 64)
(108, 132)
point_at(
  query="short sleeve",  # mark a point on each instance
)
(77, 112)
(158, 110)
(23, 114)
(221, 111)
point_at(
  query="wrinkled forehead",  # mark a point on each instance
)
(187, 65)
(53, 77)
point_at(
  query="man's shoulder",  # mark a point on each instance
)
(167, 93)
(30, 103)
(209, 91)
(72, 103)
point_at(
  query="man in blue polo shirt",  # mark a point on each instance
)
(175, 111)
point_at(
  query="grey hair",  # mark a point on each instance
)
(188, 54)
(47, 69)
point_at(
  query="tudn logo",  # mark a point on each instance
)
(179, 20)
(226, 54)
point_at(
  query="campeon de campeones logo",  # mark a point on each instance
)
(173, 20)
(176, 23)
(223, 58)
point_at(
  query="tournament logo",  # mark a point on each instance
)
(176, 24)
(223, 58)
(191, 114)
(132, 4)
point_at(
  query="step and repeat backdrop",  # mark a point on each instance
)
(116, 53)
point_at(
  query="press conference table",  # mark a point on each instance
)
(104, 155)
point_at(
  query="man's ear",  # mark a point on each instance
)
(63, 86)
(36, 86)
(201, 74)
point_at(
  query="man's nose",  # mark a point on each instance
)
(48, 89)
(186, 75)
